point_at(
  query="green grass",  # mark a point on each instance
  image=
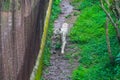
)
(55, 12)
(88, 33)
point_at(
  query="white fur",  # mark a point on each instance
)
(64, 32)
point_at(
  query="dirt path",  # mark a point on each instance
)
(62, 67)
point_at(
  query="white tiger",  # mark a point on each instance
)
(64, 32)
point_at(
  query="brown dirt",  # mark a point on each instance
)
(62, 67)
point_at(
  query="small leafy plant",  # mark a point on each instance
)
(118, 59)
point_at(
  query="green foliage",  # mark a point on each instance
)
(117, 71)
(86, 22)
(81, 4)
(42, 78)
(46, 55)
(56, 9)
(80, 73)
(118, 58)
(89, 33)
(6, 5)
(76, 14)
(93, 73)
(68, 16)
(58, 45)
